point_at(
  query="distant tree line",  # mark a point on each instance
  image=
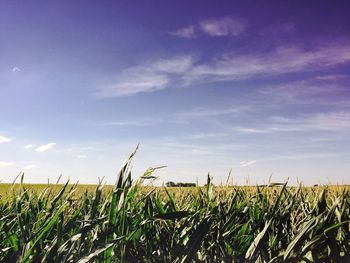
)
(172, 184)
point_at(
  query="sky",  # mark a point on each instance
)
(261, 88)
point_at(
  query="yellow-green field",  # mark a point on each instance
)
(9, 189)
(129, 222)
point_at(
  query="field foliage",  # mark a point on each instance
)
(130, 223)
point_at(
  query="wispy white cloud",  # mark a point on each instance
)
(127, 123)
(179, 118)
(215, 27)
(28, 146)
(331, 77)
(185, 32)
(327, 122)
(45, 147)
(250, 130)
(226, 26)
(282, 60)
(82, 156)
(247, 163)
(175, 65)
(16, 69)
(298, 92)
(201, 152)
(149, 77)
(4, 139)
(200, 136)
(132, 83)
(330, 121)
(181, 71)
(6, 164)
(29, 167)
(200, 113)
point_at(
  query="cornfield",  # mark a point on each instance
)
(130, 223)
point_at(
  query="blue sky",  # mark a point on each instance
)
(261, 88)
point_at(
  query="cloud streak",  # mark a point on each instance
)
(45, 147)
(331, 77)
(29, 167)
(4, 139)
(202, 113)
(149, 77)
(247, 163)
(282, 60)
(226, 26)
(185, 32)
(16, 69)
(326, 122)
(331, 121)
(28, 146)
(200, 136)
(300, 92)
(183, 70)
(131, 83)
(6, 164)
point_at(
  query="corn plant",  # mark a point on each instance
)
(132, 223)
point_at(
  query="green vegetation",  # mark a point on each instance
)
(130, 223)
(6, 190)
